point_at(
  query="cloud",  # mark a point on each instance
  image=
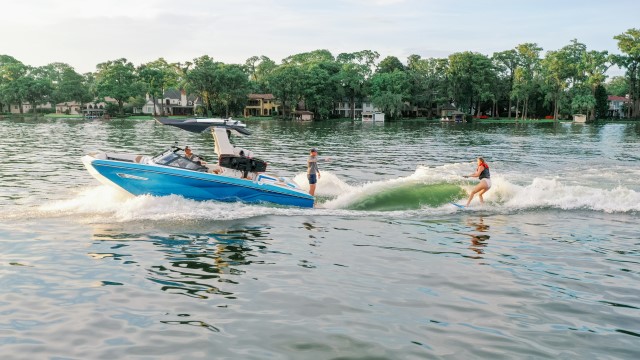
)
(84, 33)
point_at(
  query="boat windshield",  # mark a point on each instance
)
(170, 158)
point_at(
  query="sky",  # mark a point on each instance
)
(84, 33)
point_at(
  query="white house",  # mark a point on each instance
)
(26, 107)
(70, 107)
(174, 102)
(617, 105)
(373, 116)
(343, 109)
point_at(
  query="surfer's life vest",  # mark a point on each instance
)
(485, 172)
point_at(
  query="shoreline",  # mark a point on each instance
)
(433, 120)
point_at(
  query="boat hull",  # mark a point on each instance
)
(141, 179)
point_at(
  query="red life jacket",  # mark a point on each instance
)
(485, 172)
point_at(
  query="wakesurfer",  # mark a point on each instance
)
(482, 173)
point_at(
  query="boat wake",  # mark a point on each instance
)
(422, 190)
(428, 191)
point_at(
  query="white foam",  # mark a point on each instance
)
(504, 194)
(329, 185)
(554, 193)
(105, 204)
(96, 203)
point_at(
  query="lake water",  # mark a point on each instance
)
(383, 268)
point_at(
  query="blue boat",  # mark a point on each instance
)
(236, 176)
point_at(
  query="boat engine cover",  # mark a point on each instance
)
(242, 163)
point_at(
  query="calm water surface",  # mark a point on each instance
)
(384, 268)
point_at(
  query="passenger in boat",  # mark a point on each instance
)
(189, 155)
(313, 174)
(482, 173)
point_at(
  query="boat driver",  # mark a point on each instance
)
(189, 155)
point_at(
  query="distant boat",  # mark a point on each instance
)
(235, 176)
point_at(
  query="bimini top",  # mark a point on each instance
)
(202, 124)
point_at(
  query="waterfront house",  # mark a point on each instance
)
(69, 108)
(373, 116)
(261, 105)
(173, 102)
(95, 108)
(26, 108)
(304, 115)
(617, 106)
(343, 108)
(447, 110)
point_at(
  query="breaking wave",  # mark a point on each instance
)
(426, 191)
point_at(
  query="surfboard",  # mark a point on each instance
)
(458, 205)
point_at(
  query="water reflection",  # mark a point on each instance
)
(198, 265)
(478, 240)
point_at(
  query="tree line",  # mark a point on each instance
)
(518, 82)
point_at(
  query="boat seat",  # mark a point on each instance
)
(141, 159)
(215, 169)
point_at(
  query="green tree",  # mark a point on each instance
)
(506, 63)
(356, 69)
(156, 77)
(11, 70)
(318, 84)
(202, 81)
(526, 75)
(259, 69)
(223, 88)
(285, 83)
(595, 65)
(182, 70)
(557, 70)
(232, 87)
(251, 66)
(89, 81)
(316, 56)
(68, 85)
(321, 86)
(629, 44)
(118, 79)
(564, 72)
(602, 104)
(389, 91)
(428, 81)
(35, 87)
(390, 64)
(419, 95)
(471, 77)
(362, 57)
(582, 100)
(617, 86)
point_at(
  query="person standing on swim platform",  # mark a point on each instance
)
(482, 173)
(313, 174)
